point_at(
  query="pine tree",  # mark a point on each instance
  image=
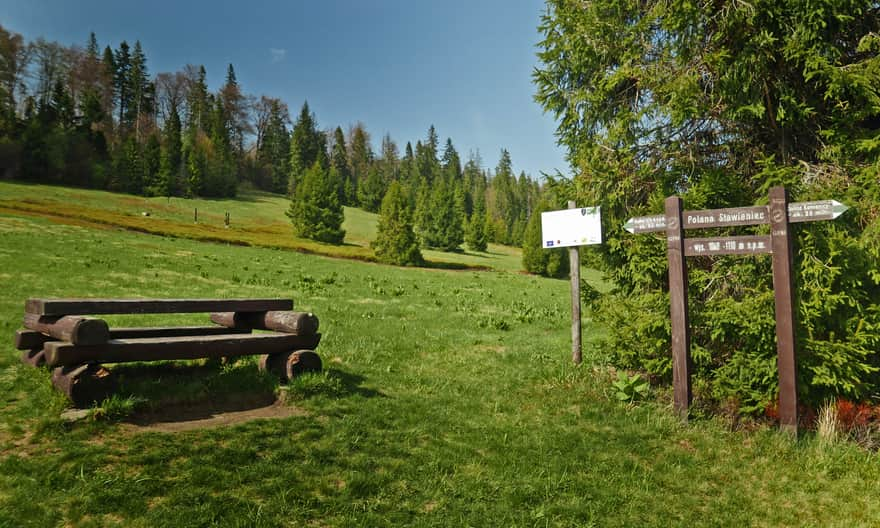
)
(306, 142)
(121, 82)
(441, 223)
(339, 161)
(504, 208)
(197, 101)
(476, 236)
(474, 183)
(426, 158)
(222, 177)
(451, 162)
(152, 156)
(273, 151)
(457, 217)
(196, 152)
(371, 190)
(109, 93)
(409, 173)
(139, 89)
(360, 157)
(315, 210)
(169, 164)
(92, 47)
(396, 242)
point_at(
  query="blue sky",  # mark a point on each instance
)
(398, 66)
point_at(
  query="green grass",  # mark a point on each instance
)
(447, 399)
(257, 219)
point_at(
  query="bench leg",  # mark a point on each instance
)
(84, 384)
(288, 365)
(34, 358)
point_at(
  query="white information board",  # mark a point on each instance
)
(571, 227)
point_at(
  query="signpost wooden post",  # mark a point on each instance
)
(678, 307)
(779, 214)
(574, 266)
(783, 290)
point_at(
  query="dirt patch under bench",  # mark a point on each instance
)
(204, 415)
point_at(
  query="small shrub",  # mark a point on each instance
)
(493, 322)
(116, 407)
(629, 388)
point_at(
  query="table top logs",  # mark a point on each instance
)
(151, 306)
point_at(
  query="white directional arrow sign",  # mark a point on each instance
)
(736, 216)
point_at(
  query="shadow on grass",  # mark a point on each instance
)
(168, 392)
(174, 393)
(352, 384)
(455, 266)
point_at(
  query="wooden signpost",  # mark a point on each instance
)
(779, 214)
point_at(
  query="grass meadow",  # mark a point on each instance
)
(256, 219)
(447, 399)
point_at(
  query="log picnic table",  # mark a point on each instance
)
(59, 335)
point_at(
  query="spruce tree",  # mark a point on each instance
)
(371, 190)
(536, 259)
(169, 164)
(139, 89)
(504, 210)
(716, 105)
(396, 242)
(389, 162)
(273, 151)
(235, 113)
(426, 158)
(152, 156)
(409, 174)
(306, 142)
(222, 177)
(476, 236)
(315, 210)
(339, 161)
(360, 158)
(197, 102)
(121, 81)
(441, 217)
(451, 162)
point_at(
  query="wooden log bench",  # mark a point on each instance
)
(62, 334)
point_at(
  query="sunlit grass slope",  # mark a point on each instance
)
(256, 219)
(447, 399)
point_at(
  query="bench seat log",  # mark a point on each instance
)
(299, 323)
(151, 306)
(171, 348)
(288, 365)
(31, 339)
(77, 330)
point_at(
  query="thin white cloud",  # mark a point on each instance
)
(278, 54)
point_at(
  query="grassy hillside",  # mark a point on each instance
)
(257, 219)
(447, 399)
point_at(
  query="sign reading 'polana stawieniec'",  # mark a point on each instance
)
(571, 227)
(737, 216)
